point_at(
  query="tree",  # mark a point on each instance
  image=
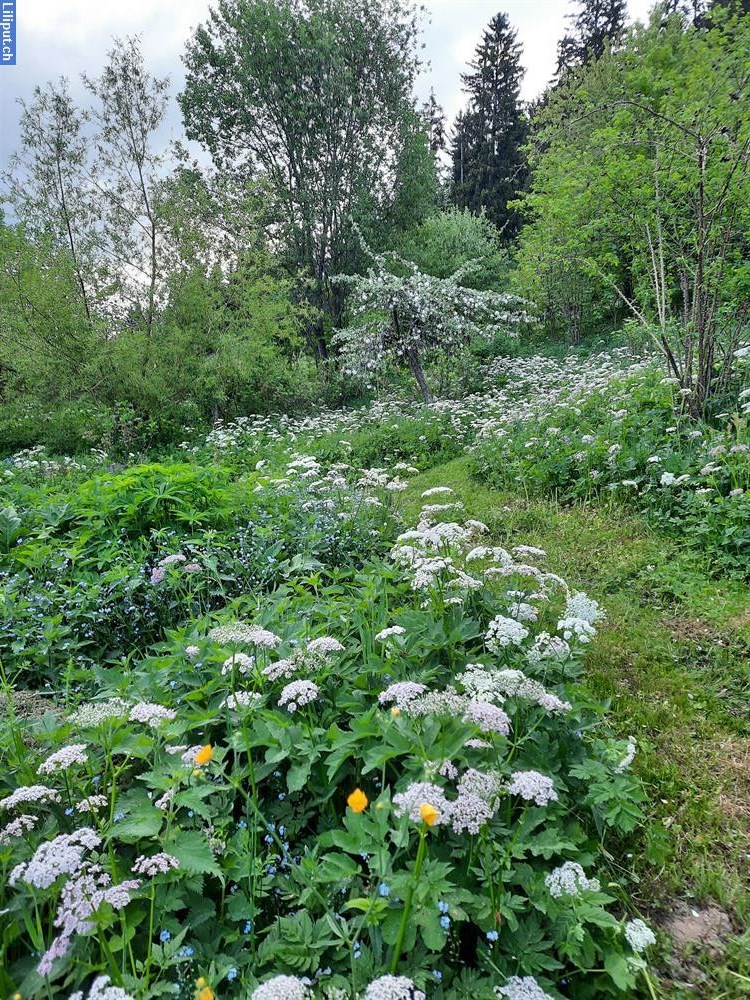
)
(411, 316)
(596, 23)
(128, 113)
(446, 242)
(47, 183)
(310, 94)
(488, 162)
(647, 187)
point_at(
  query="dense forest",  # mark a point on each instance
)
(375, 516)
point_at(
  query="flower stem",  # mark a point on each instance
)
(421, 850)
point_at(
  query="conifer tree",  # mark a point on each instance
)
(488, 163)
(594, 24)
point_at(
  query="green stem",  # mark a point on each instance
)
(421, 850)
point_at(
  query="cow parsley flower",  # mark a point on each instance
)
(489, 718)
(63, 759)
(393, 988)
(401, 694)
(240, 700)
(241, 633)
(627, 760)
(577, 628)
(323, 646)
(40, 794)
(580, 605)
(522, 988)
(386, 633)
(504, 632)
(152, 714)
(419, 793)
(94, 713)
(569, 880)
(282, 988)
(298, 693)
(18, 827)
(102, 990)
(241, 661)
(61, 856)
(548, 647)
(157, 864)
(639, 935)
(533, 787)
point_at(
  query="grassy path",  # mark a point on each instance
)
(673, 660)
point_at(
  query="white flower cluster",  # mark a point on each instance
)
(522, 988)
(61, 856)
(94, 713)
(17, 827)
(577, 628)
(533, 787)
(580, 605)
(393, 988)
(102, 990)
(240, 700)
(386, 633)
(639, 935)
(157, 864)
(282, 988)
(63, 759)
(489, 718)
(570, 880)
(504, 632)
(548, 647)
(242, 634)
(238, 661)
(402, 694)
(627, 760)
(298, 693)
(151, 714)
(493, 685)
(39, 794)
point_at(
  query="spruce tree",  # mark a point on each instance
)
(595, 23)
(488, 164)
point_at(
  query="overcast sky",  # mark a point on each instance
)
(67, 37)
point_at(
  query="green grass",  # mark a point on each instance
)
(673, 661)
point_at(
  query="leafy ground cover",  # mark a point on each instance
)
(672, 663)
(290, 716)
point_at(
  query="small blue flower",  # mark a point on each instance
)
(282, 796)
(445, 923)
(282, 831)
(438, 975)
(492, 935)
(69, 811)
(118, 816)
(248, 927)
(443, 907)
(164, 936)
(271, 870)
(384, 890)
(242, 825)
(187, 951)
(232, 974)
(268, 839)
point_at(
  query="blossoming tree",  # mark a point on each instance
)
(409, 316)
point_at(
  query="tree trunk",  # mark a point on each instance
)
(418, 374)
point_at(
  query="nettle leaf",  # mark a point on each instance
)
(192, 850)
(139, 824)
(296, 943)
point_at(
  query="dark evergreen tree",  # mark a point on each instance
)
(595, 23)
(434, 119)
(489, 168)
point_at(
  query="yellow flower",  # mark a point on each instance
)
(205, 994)
(357, 801)
(200, 983)
(205, 755)
(429, 813)
(16, 996)
(395, 711)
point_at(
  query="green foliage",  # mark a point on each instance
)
(626, 442)
(445, 242)
(271, 870)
